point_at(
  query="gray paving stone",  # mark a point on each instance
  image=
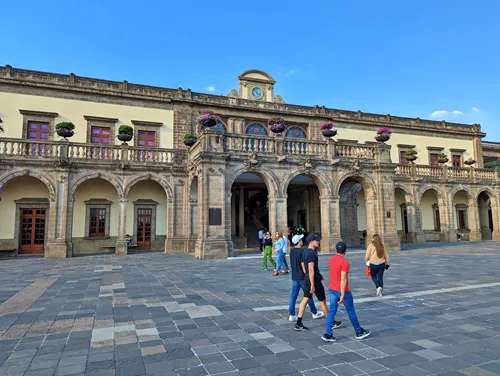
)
(221, 367)
(345, 370)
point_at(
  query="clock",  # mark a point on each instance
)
(257, 93)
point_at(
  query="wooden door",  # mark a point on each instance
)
(32, 231)
(146, 140)
(144, 228)
(38, 131)
(101, 136)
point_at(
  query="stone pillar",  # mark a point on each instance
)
(121, 243)
(414, 216)
(233, 214)
(58, 220)
(330, 224)
(495, 213)
(278, 213)
(478, 152)
(177, 239)
(447, 218)
(385, 213)
(241, 215)
(474, 223)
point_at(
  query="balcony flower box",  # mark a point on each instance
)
(469, 162)
(327, 129)
(125, 133)
(411, 155)
(208, 118)
(190, 139)
(276, 125)
(65, 129)
(383, 134)
(442, 158)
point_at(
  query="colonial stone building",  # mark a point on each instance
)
(85, 195)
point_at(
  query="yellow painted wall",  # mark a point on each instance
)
(361, 210)
(74, 110)
(15, 189)
(94, 188)
(421, 142)
(429, 198)
(148, 190)
(400, 199)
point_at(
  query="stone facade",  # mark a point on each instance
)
(202, 190)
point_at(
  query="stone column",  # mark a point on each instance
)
(474, 223)
(414, 217)
(447, 218)
(330, 224)
(495, 214)
(58, 220)
(384, 215)
(278, 213)
(241, 210)
(121, 243)
(233, 214)
(177, 240)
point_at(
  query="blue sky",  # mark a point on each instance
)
(416, 58)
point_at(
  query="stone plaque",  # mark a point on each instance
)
(214, 217)
(388, 214)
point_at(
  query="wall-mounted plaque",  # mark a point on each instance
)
(215, 217)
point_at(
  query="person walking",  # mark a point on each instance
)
(298, 276)
(262, 235)
(279, 244)
(300, 230)
(340, 293)
(268, 252)
(285, 251)
(312, 280)
(378, 260)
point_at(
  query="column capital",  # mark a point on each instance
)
(277, 197)
(328, 197)
(122, 199)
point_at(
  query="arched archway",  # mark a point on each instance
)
(486, 215)
(353, 205)
(95, 215)
(431, 215)
(24, 207)
(462, 200)
(402, 215)
(303, 204)
(147, 214)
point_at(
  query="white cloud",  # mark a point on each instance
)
(441, 114)
(291, 72)
(475, 109)
(210, 88)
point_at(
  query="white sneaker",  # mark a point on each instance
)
(292, 318)
(318, 315)
(379, 291)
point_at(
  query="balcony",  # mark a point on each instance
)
(90, 154)
(446, 173)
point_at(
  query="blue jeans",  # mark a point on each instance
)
(349, 307)
(296, 286)
(280, 264)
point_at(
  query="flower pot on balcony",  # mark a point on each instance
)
(210, 123)
(382, 137)
(189, 142)
(329, 132)
(443, 160)
(63, 132)
(411, 157)
(469, 162)
(124, 137)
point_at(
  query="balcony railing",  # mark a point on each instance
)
(446, 172)
(81, 152)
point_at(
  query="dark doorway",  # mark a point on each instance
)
(32, 232)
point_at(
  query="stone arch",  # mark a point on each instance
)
(366, 183)
(256, 72)
(97, 175)
(296, 132)
(153, 177)
(319, 178)
(439, 193)
(40, 176)
(468, 191)
(406, 192)
(491, 195)
(256, 129)
(269, 178)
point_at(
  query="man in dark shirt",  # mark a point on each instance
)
(298, 276)
(312, 280)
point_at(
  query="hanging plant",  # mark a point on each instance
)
(411, 155)
(207, 118)
(383, 134)
(442, 158)
(276, 125)
(190, 139)
(327, 129)
(65, 129)
(125, 133)
(470, 162)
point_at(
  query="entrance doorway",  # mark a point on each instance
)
(32, 232)
(144, 221)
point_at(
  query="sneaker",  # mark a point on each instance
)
(264, 270)
(362, 334)
(336, 324)
(328, 338)
(379, 291)
(318, 315)
(292, 318)
(300, 327)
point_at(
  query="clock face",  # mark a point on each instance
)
(257, 93)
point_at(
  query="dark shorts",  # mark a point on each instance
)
(319, 292)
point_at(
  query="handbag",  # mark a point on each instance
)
(367, 272)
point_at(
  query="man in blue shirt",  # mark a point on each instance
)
(262, 235)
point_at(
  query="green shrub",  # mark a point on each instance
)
(126, 129)
(65, 125)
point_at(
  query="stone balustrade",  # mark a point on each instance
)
(446, 172)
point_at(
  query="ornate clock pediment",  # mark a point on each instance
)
(256, 85)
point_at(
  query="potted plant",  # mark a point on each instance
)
(383, 134)
(276, 125)
(470, 162)
(442, 158)
(1, 126)
(190, 139)
(208, 118)
(125, 133)
(65, 129)
(411, 155)
(327, 129)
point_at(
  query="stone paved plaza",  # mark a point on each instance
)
(160, 314)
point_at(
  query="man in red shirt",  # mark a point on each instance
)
(340, 293)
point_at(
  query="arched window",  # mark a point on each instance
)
(256, 129)
(220, 126)
(295, 132)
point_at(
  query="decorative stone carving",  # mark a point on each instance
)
(234, 93)
(334, 161)
(322, 110)
(125, 85)
(72, 79)
(179, 92)
(26, 171)
(306, 165)
(356, 166)
(279, 99)
(281, 158)
(252, 161)
(244, 83)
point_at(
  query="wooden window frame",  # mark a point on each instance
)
(147, 126)
(101, 122)
(436, 159)
(38, 117)
(99, 203)
(30, 203)
(461, 208)
(145, 204)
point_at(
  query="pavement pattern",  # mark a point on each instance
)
(157, 314)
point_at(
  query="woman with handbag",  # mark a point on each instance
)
(378, 260)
